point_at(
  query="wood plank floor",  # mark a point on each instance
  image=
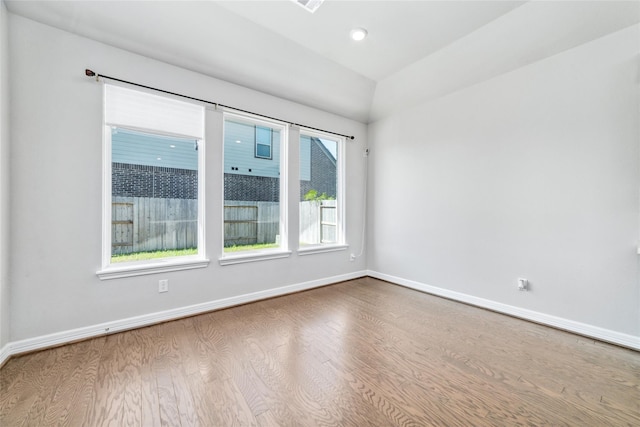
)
(358, 353)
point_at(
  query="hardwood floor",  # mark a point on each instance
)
(358, 353)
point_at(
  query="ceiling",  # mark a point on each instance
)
(401, 32)
(279, 48)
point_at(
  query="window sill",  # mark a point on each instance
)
(252, 257)
(318, 249)
(143, 268)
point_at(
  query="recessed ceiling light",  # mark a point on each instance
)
(172, 146)
(358, 34)
(310, 5)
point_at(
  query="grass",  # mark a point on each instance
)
(142, 256)
(242, 248)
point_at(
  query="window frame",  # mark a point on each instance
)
(340, 243)
(111, 270)
(283, 250)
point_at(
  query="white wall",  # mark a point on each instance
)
(531, 174)
(4, 176)
(530, 32)
(56, 187)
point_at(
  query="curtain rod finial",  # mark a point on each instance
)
(89, 73)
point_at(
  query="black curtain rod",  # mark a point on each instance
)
(90, 73)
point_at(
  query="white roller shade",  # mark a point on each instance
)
(142, 110)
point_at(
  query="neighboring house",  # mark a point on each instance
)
(147, 165)
(318, 168)
(159, 175)
(252, 158)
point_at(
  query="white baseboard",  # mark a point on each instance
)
(607, 335)
(65, 337)
(4, 354)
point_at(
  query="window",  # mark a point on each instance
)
(321, 194)
(254, 189)
(153, 168)
(264, 142)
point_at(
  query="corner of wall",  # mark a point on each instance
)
(4, 181)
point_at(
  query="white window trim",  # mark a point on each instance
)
(251, 256)
(138, 268)
(322, 248)
(106, 198)
(340, 243)
(283, 250)
(163, 265)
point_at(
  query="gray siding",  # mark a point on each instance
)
(138, 148)
(239, 152)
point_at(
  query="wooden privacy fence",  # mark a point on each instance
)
(248, 223)
(318, 222)
(141, 224)
(151, 224)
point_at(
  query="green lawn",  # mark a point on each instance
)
(242, 248)
(141, 256)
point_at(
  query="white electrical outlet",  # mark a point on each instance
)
(163, 285)
(523, 285)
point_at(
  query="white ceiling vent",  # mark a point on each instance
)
(310, 5)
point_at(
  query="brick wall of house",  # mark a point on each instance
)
(251, 188)
(321, 180)
(129, 180)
